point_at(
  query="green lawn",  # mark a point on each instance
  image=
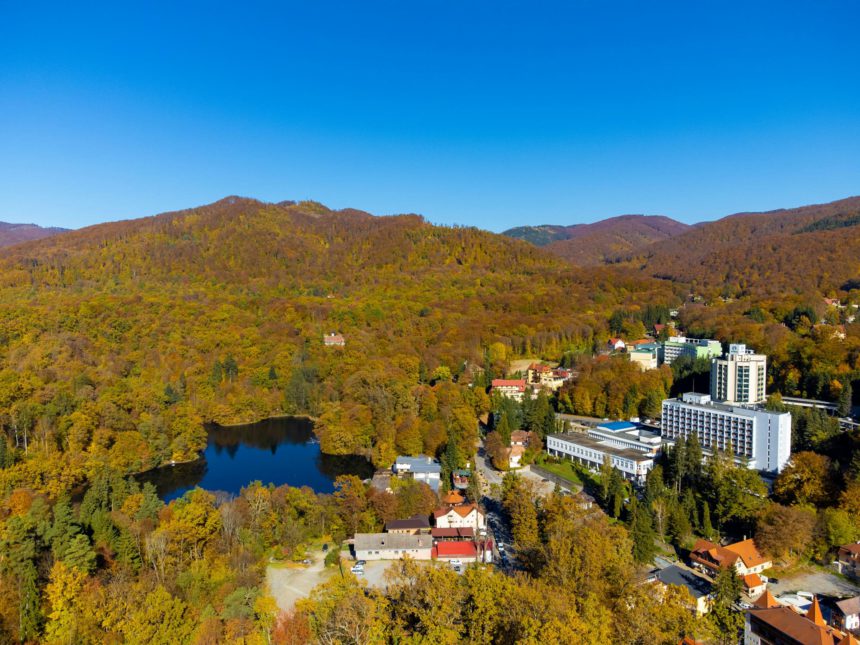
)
(564, 469)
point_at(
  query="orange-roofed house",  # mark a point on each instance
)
(453, 498)
(509, 388)
(334, 340)
(615, 344)
(515, 456)
(743, 556)
(458, 517)
(754, 586)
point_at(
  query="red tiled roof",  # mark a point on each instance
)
(455, 550)
(708, 553)
(752, 580)
(502, 382)
(795, 626)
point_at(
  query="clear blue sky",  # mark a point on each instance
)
(493, 114)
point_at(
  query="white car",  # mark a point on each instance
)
(357, 568)
(456, 563)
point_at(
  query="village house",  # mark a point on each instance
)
(333, 340)
(698, 587)
(846, 614)
(456, 514)
(615, 345)
(544, 376)
(509, 388)
(392, 546)
(460, 478)
(515, 456)
(423, 469)
(415, 525)
(743, 556)
(848, 560)
(769, 623)
(753, 585)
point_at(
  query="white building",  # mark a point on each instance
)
(423, 469)
(739, 377)
(460, 517)
(678, 346)
(591, 448)
(758, 437)
(392, 546)
(510, 388)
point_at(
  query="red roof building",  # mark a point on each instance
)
(466, 551)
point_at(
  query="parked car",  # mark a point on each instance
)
(361, 562)
(456, 563)
(325, 547)
(357, 568)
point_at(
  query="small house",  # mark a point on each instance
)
(846, 614)
(334, 340)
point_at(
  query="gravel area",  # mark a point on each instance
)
(817, 582)
(288, 583)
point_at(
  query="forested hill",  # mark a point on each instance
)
(813, 249)
(16, 233)
(603, 241)
(118, 340)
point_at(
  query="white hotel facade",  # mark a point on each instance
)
(757, 437)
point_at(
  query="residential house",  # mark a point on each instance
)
(848, 560)
(698, 586)
(753, 585)
(521, 438)
(515, 456)
(615, 345)
(461, 516)
(423, 468)
(743, 556)
(846, 614)
(544, 376)
(584, 500)
(768, 623)
(460, 478)
(415, 525)
(334, 340)
(392, 546)
(509, 388)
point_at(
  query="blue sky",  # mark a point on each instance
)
(493, 114)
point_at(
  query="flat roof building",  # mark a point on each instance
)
(591, 449)
(759, 438)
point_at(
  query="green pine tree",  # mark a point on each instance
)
(642, 533)
(79, 554)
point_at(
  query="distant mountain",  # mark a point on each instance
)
(603, 241)
(15, 233)
(808, 249)
(543, 234)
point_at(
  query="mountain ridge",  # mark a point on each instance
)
(15, 233)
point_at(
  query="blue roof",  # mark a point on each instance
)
(618, 426)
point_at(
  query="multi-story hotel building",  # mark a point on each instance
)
(757, 437)
(739, 377)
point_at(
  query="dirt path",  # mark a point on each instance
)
(288, 583)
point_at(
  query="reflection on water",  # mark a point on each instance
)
(278, 451)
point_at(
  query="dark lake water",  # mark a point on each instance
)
(278, 451)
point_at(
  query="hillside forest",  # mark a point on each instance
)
(120, 342)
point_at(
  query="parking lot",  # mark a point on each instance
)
(817, 582)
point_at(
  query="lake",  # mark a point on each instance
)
(278, 451)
